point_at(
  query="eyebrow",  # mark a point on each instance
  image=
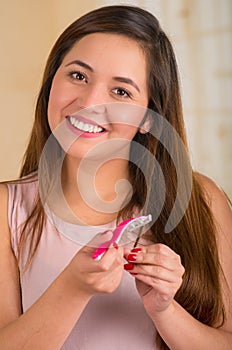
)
(80, 63)
(127, 81)
(119, 79)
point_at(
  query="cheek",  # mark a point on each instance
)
(127, 116)
(53, 102)
(59, 98)
(52, 110)
(56, 95)
(126, 131)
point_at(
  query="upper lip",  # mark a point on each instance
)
(86, 121)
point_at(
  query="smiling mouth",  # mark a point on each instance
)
(85, 127)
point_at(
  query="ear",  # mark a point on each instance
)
(146, 124)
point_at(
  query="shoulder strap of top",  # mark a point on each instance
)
(21, 198)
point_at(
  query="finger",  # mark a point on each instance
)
(155, 256)
(153, 282)
(112, 258)
(165, 289)
(157, 273)
(97, 240)
(157, 248)
(87, 251)
(169, 263)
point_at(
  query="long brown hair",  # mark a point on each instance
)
(194, 237)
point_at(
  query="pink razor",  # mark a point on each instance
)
(125, 226)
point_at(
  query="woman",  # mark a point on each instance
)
(116, 54)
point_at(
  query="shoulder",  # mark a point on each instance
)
(4, 227)
(4, 194)
(222, 214)
(216, 198)
(3, 197)
(10, 303)
(17, 201)
(220, 206)
(23, 190)
(3, 191)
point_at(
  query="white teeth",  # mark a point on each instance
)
(79, 125)
(84, 126)
(95, 129)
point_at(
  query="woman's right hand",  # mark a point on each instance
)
(92, 277)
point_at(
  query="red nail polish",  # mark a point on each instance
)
(132, 257)
(137, 250)
(115, 245)
(128, 266)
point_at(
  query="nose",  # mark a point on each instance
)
(93, 98)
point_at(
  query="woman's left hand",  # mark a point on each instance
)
(158, 272)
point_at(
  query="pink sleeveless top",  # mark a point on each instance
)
(116, 321)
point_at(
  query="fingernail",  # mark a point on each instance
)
(115, 245)
(128, 266)
(136, 250)
(132, 257)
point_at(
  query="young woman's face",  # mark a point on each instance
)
(98, 71)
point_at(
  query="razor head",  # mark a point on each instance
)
(139, 222)
(132, 229)
(124, 233)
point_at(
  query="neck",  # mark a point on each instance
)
(102, 189)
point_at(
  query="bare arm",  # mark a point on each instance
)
(9, 275)
(176, 326)
(47, 324)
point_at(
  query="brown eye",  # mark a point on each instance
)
(78, 76)
(121, 92)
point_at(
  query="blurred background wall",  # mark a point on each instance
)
(201, 33)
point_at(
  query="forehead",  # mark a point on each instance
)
(109, 48)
